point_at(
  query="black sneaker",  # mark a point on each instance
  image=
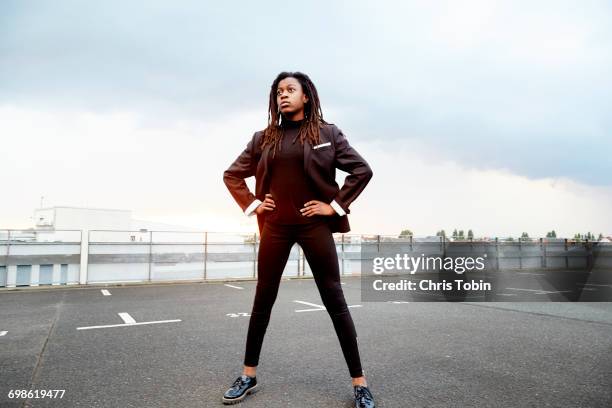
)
(363, 397)
(243, 386)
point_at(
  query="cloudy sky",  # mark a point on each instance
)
(487, 115)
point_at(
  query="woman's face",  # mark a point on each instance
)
(290, 97)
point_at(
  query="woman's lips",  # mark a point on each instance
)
(284, 104)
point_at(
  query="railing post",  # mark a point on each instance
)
(497, 253)
(520, 257)
(566, 258)
(8, 246)
(150, 252)
(543, 252)
(84, 256)
(11, 270)
(443, 242)
(205, 252)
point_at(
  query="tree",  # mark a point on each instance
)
(405, 233)
(551, 234)
(470, 234)
(455, 233)
(600, 237)
(441, 233)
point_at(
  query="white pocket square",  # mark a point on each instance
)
(321, 145)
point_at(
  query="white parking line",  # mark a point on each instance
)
(238, 314)
(594, 284)
(541, 291)
(396, 301)
(106, 292)
(127, 324)
(531, 273)
(318, 308)
(232, 286)
(127, 318)
(129, 321)
(309, 304)
(2, 333)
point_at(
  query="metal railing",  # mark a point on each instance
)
(68, 257)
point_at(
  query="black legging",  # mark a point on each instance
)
(319, 249)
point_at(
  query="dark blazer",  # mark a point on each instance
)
(319, 165)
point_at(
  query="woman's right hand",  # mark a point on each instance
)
(267, 205)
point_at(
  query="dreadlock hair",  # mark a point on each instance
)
(313, 115)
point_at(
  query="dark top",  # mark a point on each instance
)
(289, 185)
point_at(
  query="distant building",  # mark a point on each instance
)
(65, 223)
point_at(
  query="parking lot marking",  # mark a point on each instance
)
(541, 291)
(396, 301)
(594, 284)
(237, 314)
(2, 333)
(127, 324)
(317, 308)
(309, 304)
(232, 286)
(106, 292)
(127, 318)
(531, 273)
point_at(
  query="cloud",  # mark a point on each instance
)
(521, 87)
(173, 174)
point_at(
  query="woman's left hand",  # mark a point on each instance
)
(315, 207)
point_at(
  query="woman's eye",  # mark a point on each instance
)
(278, 93)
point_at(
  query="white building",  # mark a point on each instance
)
(102, 224)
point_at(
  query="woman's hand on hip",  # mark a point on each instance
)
(266, 205)
(316, 207)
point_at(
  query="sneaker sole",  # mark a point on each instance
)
(231, 401)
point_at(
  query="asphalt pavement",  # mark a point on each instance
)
(181, 345)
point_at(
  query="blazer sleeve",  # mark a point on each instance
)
(243, 167)
(359, 172)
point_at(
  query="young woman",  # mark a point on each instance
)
(298, 200)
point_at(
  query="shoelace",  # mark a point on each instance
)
(362, 395)
(237, 384)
